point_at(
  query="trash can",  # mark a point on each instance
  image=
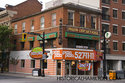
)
(120, 74)
(112, 74)
(36, 72)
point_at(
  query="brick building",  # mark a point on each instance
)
(113, 15)
(72, 35)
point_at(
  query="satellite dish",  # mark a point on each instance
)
(107, 34)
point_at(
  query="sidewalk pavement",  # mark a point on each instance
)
(26, 75)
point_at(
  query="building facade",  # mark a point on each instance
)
(72, 39)
(113, 21)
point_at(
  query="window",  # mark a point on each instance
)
(105, 13)
(54, 20)
(22, 45)
(32, 25)
(123, 14)
(42, 22)
(114, 13)
(123, 46)
(45, 63)
(106, 27)
(123, 1)
(70, 18)
(31, 44)
(93, 22)
(82, 20)
(115, 29)
(115, 46)
(14, 42)
(49, 43)
(123, 30)
(23, 63)
(15, 29)
(106, 1)
(115, 0)
(23, 27)
(32, 63)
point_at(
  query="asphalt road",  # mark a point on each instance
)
(15, 79)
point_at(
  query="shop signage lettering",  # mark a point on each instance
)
(74, 54)
(83, 30)
(36, 53)
(84, 66)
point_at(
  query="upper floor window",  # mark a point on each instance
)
(106, 1)
(123, 46)
(15, 29)
(115, 13)
(115, 31)
(22, 45)
(23, 27)
(123, 30)
(115, 1)
(82, 20)
(105, 13)
(42, 22)
(106, 27)
(70, 17)
(123, 14)
(53, 19)
(115, 45)
(31, 44)
(32, 25)
(14, 42)
(93, 22)
(123, 1)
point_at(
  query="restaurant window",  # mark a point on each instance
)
(53, 19)
(93, 22)
(23, 27)
(115, 29)
(82, 20)
(23, 63)
(123, 1)
(32, 63)
(42, 22)
(31, 44)
(123, 46)
(123, 14)
(32, 25)
(115, 45)
(115, 13)
(15, 29)
(123, 30)
(22, 45)
(70, 17)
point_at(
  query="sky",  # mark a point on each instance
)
(15, 2)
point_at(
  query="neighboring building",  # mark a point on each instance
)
(113, 20)
(21, 10)
(79, 29)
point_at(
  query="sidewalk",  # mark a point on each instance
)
(26, 75)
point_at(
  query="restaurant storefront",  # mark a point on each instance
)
(77, 61)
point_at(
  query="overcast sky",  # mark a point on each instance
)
(15, 2)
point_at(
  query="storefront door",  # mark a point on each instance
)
(58, 67)
(73, 67)
(67, 68)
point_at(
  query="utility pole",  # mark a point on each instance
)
(104, 56)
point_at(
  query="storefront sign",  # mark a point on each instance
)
(81, 36)
(83, 30)
(48, 36)
(36, 53)
(84, 66)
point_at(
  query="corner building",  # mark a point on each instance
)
(72, 38)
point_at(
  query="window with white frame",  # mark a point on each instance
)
(53, 19)
(93, 22)
(123, 30)
(32, 25)
(123, 1)
(115, 45)
(42, 22)
(70, 17)
(23, 27)
(82, 20)
(15, 29)
(115, 13)
(115, 31)
(123, 14)
(123, 46)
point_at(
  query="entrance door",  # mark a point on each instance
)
(67, 68)
(96, 66)
(73, 67)
(58, 67)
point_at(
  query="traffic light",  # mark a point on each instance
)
(24, 37)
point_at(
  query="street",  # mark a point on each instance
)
(18, 79)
